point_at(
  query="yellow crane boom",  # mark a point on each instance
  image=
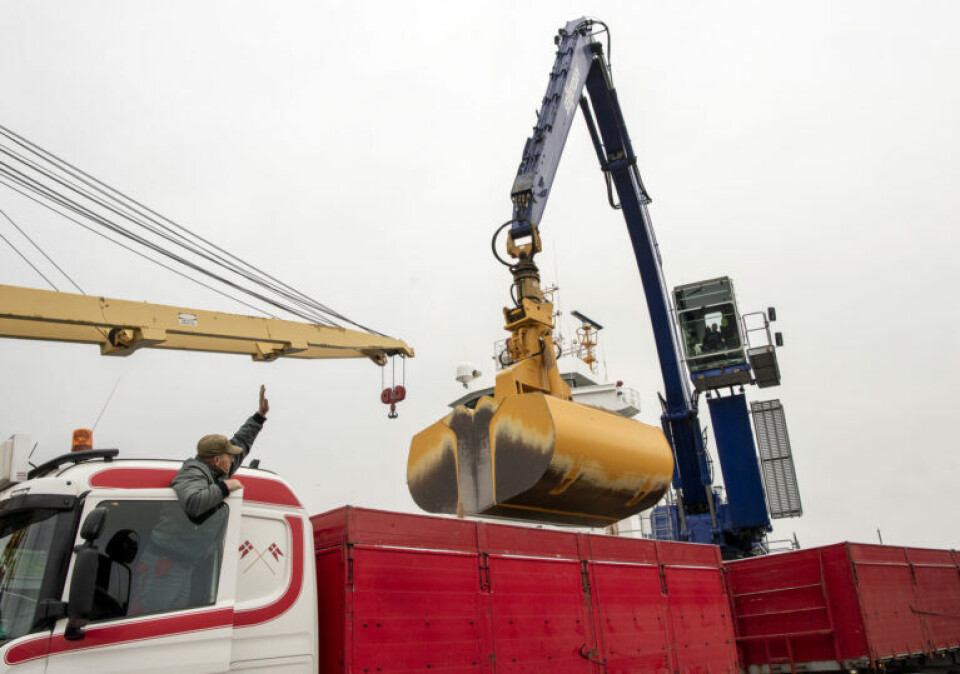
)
(120, 327)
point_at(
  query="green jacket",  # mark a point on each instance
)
(201, 491)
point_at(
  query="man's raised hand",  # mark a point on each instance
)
(264, 403)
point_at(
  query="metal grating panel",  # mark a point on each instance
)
(776, 459)
(763, 360)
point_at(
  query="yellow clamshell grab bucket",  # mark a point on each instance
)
(529, 452)
(537, 457)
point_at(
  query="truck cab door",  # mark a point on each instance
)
(163, 594)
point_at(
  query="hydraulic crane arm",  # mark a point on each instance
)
(580, 65)
(529, 452)
(120, 327)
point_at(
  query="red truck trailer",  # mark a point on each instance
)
(849, 606)
(404, 593)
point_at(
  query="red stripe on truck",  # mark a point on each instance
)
(261, 614)
(110, 635)
(255, 489)
(153, 628)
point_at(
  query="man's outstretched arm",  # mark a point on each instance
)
(251, 428)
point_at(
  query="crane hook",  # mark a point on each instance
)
(391, 395)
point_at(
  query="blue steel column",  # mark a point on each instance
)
(680, 417)
(738, 461)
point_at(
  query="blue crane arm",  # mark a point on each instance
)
(580, 65)
(542, 151)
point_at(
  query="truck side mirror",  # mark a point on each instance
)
(771, 314)
(93, 524)
(778, 338)
(83, 582)
(82, 588)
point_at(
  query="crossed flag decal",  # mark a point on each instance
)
(260, 556)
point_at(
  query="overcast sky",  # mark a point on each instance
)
(364, 152)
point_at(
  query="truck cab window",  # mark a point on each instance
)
(25, 542)
(154, 559)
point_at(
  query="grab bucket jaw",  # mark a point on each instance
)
(540, 458)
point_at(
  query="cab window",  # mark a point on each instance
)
(26, 539)
(154, 559)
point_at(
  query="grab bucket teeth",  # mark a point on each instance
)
(540, 458)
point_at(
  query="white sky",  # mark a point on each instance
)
(364, 152)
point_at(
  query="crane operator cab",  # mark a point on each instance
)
(715, 339)
(710, 331)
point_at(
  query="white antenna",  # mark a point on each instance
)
(466, 373)
(104, 409)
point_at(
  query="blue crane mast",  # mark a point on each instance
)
(699, 512)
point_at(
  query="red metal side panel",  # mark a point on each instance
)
(781, 610)
(380, 527)
(331, 603)
(881, 602)
(614, 549)
(937, 579)
(631, 612)
(700, 625)
(887, 596)
(844, 604)
(329, 528)
(629, 607)
(415, 611)
(540, 616)
(503, 539)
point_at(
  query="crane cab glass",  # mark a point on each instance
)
(710, 333)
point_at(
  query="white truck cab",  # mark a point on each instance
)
(80, 557)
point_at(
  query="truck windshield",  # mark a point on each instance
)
(25, 540)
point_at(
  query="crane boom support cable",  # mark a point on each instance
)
(84, 212)
(42, 252)
(109, 191)
(135, 251)
(79, 210)
(187, 245)
(27, 260)
(120, 230)
(255, 275)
